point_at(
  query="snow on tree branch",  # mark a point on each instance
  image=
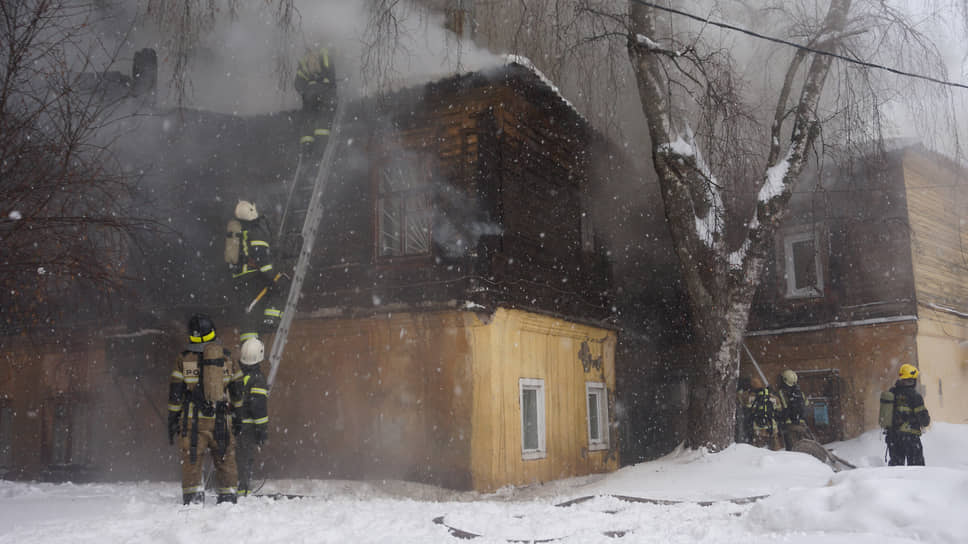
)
(775, 179)
(651, 45)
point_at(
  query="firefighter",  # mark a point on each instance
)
(763, 406)
(910, 417)
(252, 421)
(205, 386)
(316, 84)
(793, 425)
(254, 276)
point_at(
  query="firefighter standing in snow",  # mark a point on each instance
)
(316, 84)
(793, 426)
(252, 420)
(763, 406)
(247, 251)
(910, 417)
(206, 379)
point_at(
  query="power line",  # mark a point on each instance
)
(799, 46)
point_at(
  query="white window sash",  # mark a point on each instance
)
(596, 394)
(536, 385)
(790, 268)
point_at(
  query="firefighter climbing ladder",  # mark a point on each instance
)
(310, 226)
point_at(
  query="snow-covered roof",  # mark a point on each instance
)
(526, 63)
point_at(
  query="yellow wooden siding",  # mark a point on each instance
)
(943, 363)
(937, 212)
(938, 216)
(434, 397)
(517, 345)
(386, 396)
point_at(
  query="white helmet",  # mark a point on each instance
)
(789, 377)
(245, 211)
(253, 351)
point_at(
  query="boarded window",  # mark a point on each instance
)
(60, 446)
(532, 418)
(404, 208)
(803, 273)
(597, 415)
(6, 436)
(70, 436)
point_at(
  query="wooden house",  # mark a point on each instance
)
(868, 273)
(455, 327)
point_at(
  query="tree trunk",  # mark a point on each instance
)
(720, 280)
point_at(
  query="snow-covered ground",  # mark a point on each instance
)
(806, 502)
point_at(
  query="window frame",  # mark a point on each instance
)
(538, 386)
(600, 391)
(402, 200)
(789, 266)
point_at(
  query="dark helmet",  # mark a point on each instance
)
(201, 329)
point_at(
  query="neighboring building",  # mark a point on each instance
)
(869, 272)
(455, 327)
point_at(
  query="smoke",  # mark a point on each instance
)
(246, 64)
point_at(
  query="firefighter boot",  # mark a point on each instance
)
(193, 498)
(226, 497)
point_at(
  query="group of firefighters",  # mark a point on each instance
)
(217, 402)
(777, 420)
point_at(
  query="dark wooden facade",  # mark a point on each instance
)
(508, 167)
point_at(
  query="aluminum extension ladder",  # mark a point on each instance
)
(310, 226)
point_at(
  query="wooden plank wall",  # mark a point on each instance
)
(938, 214)
(387, 396)
(938, 210)
(517, 345)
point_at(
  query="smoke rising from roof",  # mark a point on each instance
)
(246, 64)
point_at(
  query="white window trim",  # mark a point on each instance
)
(599, 389)
(789, 271)
(538, 385)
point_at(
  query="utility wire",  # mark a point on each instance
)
(799, 46)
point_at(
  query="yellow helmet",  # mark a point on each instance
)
(789, 377)
(907, 371)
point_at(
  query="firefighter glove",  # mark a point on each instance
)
(261, 434)
(237, 424)
(172, 426)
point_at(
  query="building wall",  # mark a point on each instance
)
(937, 209)
(85, 412)
(943, 363)
(433, 398)
(387, 396)
(517, 345)
(866, 356)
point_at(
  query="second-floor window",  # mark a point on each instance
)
(404, 208)
(802, 265)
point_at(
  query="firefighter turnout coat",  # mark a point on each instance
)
(204, 388)
(253, 425)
